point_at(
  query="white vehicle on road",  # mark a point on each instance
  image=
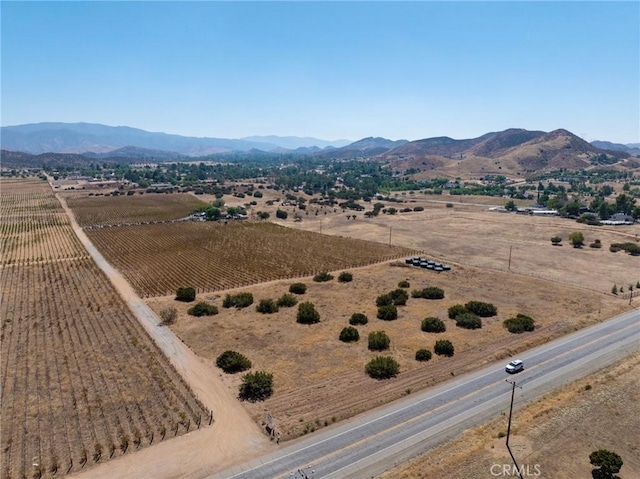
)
(514, 366)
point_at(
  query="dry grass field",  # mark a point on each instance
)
(157, 259)
(81, 380)
(111, 210)
(319, 379)
(555, 433)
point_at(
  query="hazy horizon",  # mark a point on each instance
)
(328, 70)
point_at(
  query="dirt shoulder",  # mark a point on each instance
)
(552, 437)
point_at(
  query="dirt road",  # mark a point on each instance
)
(233, 437)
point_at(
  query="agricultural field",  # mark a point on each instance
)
(82, 382)
(33, 226)
(157, 259)
(113, 210)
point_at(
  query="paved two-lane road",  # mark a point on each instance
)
(377, 441)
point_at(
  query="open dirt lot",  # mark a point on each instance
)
(319, 379)
(556, 433)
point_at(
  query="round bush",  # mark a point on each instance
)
(520, 324)
(307, 314)
(298, 288)
(484, 310)
(423, 355)
(322, 277)
(256, 386)
(349, 334)
(388, 312)
(468, 321)
(378, 341)
(404, 284)
(382, 367)
(202, 309)
(432, 292)
(358, 318)
(185, 294)
(287, 300)
(240, 300)
(384, 300)
(399, 297)
(232, 362)
(443, 347)
(267, 306)
(455, 310)
(345, 277)
(433, 325)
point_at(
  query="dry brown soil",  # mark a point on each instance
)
(555, 433)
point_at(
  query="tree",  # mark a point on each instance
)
(358, 318)
(423, 355)
(399, 297)
(388, 312)
(212, 213)
(484, 310)
(443, 347)
(185, 294)
(510, 206)
(577, 239)
(307, 313)
(378, 341)
(256, 386)
(468, 321)
(240, 300)
(322, 277)
(382, 367)
(384, 300)
(298, 288)
(281, 214)
(345, 277)
(556, 240)
(609, 462)
(430, 292)
(455, 310)
(169, 316)
(263, 215)
(520, 324)
(404, 284)
(233, 362)
(287, 300)
(349, 334)
(267, 306)
(202, 309)
(433, 325)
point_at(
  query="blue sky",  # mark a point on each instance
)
(325, 69)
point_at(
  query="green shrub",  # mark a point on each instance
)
(281, 214)
(418, 208)
(287, 300)
(430, 292)
(358, 318)
(322, 277)
(433, 325)
(307, 313)
(404, 284)
(384, 300)
(378, 341)
(256, 386)
(382, 367)
(455, 310)
(609, 463)
(267, 306)
(399, 297)
(203, 309)
(556, 240)
(468, 321)
(443, 347)
(240, 300)
(345, 277)
(232, 362)
(388, 312)
(349, 334)
(169, 316)
(519, 324)
(631, 248)
(423, 355)
(185, 294)
(298, 288)
(484, 310)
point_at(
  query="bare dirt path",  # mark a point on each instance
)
(233, 437)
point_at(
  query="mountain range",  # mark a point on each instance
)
(514, 151)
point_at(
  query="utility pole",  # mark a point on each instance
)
(510, 248)
(390, 235)
(513, 390)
